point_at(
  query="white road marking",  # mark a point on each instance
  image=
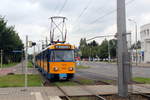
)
(54, 98)
(38, 95)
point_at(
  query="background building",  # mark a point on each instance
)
(145, 42)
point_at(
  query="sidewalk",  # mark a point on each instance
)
(5, 71)
(18, 69)
(44, 93)
(133, 64)
(142, 64)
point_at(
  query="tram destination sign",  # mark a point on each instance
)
(62, 47)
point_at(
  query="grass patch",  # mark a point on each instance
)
(9, 65)
(82, 67)
(66, 83)
(142, 80)
(86, 81)
(108, 81)
(30, 65)
(18, 80)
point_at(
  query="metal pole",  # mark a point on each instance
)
(26, 63)
(42, 45)
(34, 57)
(90, 54)
(37, 47)
(22, 61)
(136, 42)
(122, 52)
(46, 41)
(1, 59)
(108, 52)
(135, 39)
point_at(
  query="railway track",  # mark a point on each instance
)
(65, 94)
(144, 95)
(66, 97)
(86, 89)
(47, 83)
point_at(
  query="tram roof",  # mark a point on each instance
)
(58, 46)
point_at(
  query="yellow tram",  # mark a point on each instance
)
(57, 61)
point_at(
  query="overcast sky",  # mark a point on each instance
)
(86, 18)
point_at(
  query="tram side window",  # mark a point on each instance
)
(43, 56)
(47, 55)
(40, 56)
(36, 58)
(40, 59)
(52, 56)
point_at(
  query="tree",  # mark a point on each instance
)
(83, 43)
(83, 48)
(93, 49)
(9, 41)
(136, 45)
(103, 50)
(113, 47)
(93, 43)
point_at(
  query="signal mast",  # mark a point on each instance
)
(58, 30)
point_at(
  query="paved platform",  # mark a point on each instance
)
(18, 69)
(53, 93)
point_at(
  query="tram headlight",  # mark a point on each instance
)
(71, 69)
(55, 68)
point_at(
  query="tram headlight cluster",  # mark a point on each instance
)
(71, 68)
(56, 69)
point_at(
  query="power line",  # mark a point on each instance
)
(62, 7)
(100, 37)
(109, 13)
(82, 12)
(106, 14)
(56, 7)
(84, 9)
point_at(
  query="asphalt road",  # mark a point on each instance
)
(99, 70)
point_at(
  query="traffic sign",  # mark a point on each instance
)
(17, 51)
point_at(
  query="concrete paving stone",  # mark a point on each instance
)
(102, 89)
(51, 91)
(10, 97)
(75, 91)
(54, 98)
(90, 90)
(141, 88)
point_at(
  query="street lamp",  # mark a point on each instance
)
(131, 20)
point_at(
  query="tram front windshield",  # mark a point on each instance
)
(62, 55)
